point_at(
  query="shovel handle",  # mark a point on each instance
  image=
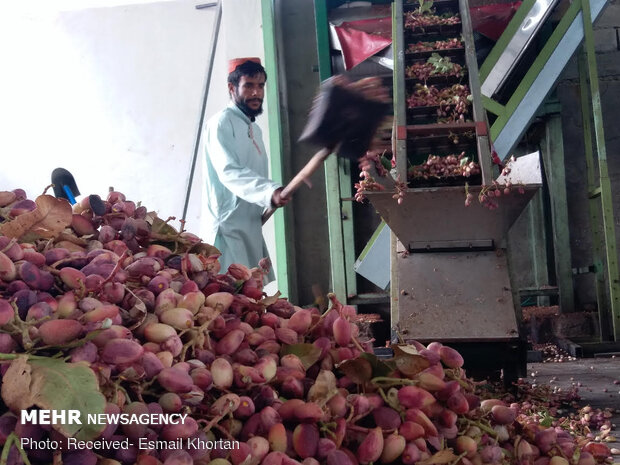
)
(313, 164)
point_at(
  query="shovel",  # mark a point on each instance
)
(66, 188)
(64, 185)
(343, 120)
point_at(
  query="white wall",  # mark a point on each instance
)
(113, 94)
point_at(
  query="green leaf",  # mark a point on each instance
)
(441, 65)
(53, 384)
(270, 300)
(547, 421)
(358, 370)
(161, 227)
(205, 249)
(309, 354)
(425, 7)
(386, 162)
(379, 367)
(47, 220)
(324, 388)
(409, 362)
(404, 348)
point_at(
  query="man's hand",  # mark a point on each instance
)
(277, 200)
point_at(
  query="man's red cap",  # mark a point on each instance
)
(232, 64)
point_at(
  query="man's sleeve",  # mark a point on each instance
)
(239, 179)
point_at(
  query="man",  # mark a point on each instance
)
(237, 187)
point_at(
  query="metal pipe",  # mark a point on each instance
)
(216, 31)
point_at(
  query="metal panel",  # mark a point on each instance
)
(517, 46)
(460, 296)
(609, 226)
(598, 243)
(283, 256)
(400, 93)
(506, 138)
(332, 167)
(502, 42)
(439, 214)
(479, 115)
(556, 179)
(374, 261)
(394, 285)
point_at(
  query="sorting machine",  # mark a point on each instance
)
(449, 271)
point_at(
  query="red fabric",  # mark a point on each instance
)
(491, 20)
(359, 40)
(362, 39)
(232, 64)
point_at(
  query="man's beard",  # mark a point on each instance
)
(246, 109)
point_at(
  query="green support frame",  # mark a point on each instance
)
(400, 119)
(482, 138)
(598, 243)
(337, 184)
(590, 84)
(604, 242)
(505, 112)
(553, 157)
(275, 143)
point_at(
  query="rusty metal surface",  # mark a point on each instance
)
(463, 296)
(439, 214)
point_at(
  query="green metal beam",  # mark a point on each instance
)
(494, 107)
(613, 272)
(478, 113)
(332, 170)
(593, 204)
(322, 39)
(535, 69)
(348, 234)
(553, 156)
(536, 239)
(275, 142)
(399, 89)
(338, 184)
(400, 119)
(505, 38)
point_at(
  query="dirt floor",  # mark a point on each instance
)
(597, 379)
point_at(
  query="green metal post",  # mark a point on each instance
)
(482, 139)
(400, 109)
(348, 235)
(275, 142)
(332, 169)
(613, 273)
(400, 119)
(593, 202)
(536, 232)
(493, 106)
(553, 156)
